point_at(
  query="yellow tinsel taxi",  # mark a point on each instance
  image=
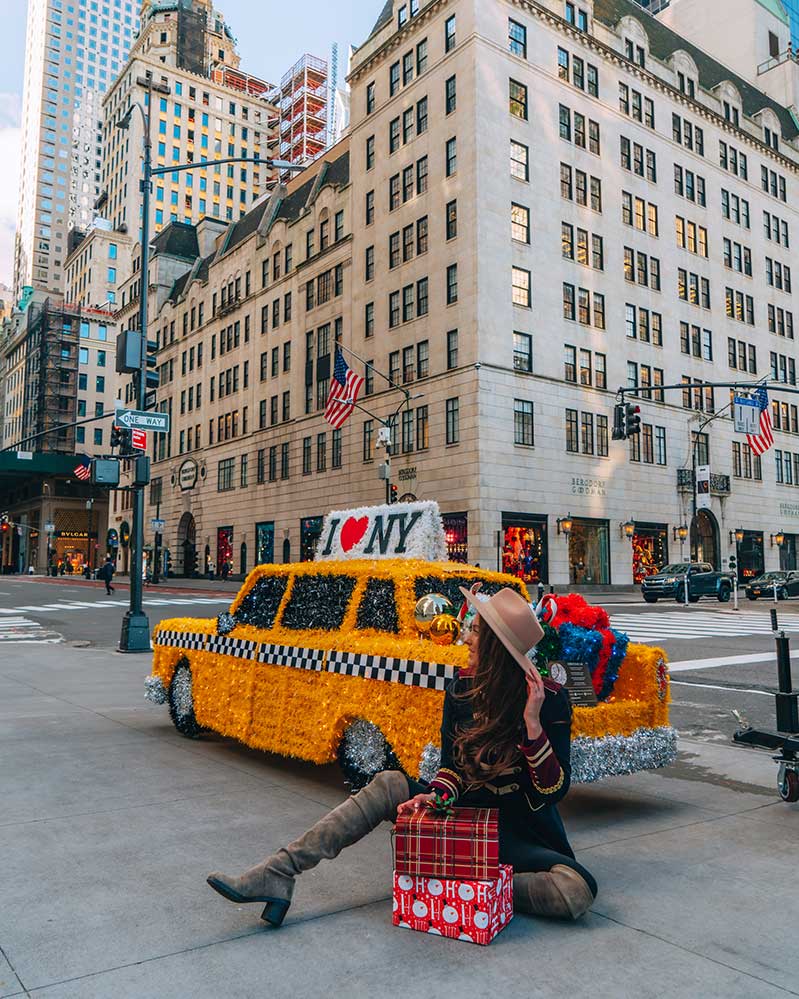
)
(323, 660)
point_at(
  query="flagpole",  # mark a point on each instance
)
(393, 384)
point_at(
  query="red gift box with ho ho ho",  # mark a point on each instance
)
(458, 908)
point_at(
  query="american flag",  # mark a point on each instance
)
(761, 442)
(344, 389)
(83, 469)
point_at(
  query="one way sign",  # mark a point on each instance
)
(135, 419)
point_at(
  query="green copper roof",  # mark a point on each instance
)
(775, 7)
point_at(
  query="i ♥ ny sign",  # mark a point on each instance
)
(399, 530)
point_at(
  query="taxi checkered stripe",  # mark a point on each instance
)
(239, 648)
(290, 655)
(182, 640)
(411, 672)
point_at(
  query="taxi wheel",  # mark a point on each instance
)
(181, 701)
(364, 752)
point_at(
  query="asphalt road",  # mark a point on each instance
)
(721, 661)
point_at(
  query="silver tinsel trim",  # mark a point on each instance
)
(429, 762)
(365, 747)
(225, 623)
(182, 700)
(612, 755)
(154, 689)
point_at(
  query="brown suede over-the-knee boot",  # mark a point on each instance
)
(561, 893)
(272, 881)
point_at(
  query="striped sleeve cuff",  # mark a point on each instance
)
(546, 772)
(447, 783)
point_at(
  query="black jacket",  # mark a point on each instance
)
(532, 814)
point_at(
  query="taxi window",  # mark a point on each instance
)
(450, 587)
(378, 608)
(260, 605)
(318, 602)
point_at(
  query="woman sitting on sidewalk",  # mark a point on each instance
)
(505, 737)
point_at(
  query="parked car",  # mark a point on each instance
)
(320, 660)
(763, 586)
(703, 581)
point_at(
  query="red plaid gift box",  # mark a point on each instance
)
(462, 845)
(460, 909)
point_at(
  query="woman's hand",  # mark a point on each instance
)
(536, 693)
(415, 803)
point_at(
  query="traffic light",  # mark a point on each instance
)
(5, 526)
(618, 422)
(733, 563)
(152, 378)
(393, 493)
(121, 437)
(632, 420)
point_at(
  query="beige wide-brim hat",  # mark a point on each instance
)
(512, 620)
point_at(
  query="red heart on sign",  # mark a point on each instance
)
(352, 532)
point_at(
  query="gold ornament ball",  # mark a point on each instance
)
(429, 607)
(444, 629)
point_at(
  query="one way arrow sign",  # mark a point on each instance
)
(134, 418)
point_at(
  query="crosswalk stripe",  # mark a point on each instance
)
(23, 630)
(687, 624)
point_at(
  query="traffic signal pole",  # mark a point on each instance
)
(135, 635)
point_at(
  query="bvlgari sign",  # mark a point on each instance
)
(187, 474)
(397, 530)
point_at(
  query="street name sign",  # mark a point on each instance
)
(747, 415)
(157, 525)
(134, 418)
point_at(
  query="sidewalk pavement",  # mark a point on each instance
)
(110, 822)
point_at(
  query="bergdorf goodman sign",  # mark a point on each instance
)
(789, 510)
(588, 487)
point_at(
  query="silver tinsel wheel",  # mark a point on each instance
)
(181, 701)
(364, 752)
(154, 690)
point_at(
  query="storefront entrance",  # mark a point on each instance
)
(705, 539)
(265, 543)
(650, 545)
(524, 547)
(751, 562)
(456, 532)
(186, 562)
(224, 551)
(788, 552)
(310, 533)
(589, 552)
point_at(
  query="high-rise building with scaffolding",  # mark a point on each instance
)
(303, 100)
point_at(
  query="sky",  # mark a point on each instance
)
(271, 37)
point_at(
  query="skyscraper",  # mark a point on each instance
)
(73, 52)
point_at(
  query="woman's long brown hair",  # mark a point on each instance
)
(498, 694)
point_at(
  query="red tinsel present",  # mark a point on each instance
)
(461, 909)
(576, 610)
(464, 844)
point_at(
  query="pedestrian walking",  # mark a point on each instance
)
(106, 573)
(506, 735)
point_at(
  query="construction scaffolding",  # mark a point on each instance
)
(303, 101)
(235, 79)
(51, 375)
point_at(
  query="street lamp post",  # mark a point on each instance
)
(135, 635)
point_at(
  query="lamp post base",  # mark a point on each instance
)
(135, 635)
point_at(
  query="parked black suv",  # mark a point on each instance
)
(703, 581)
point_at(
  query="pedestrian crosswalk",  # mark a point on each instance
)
(81, 605)
(22, 629)
(667, 626)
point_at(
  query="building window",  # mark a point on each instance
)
(450, 95)
(225, 473)
(518, 99)
(522, 352)
(452, 408)
(521, 287)
(452, 350)
(449, 33)
(520, 223)
(451, 222)
(451, 156)
(523, 422)
(368, 431)
(519, 161)
(517, 38)
(452, 284)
